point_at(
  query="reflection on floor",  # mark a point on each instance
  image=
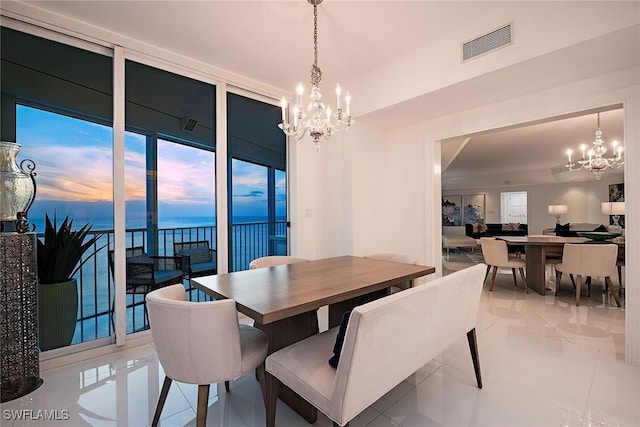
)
(545, 362)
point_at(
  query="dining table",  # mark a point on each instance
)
(283, 300)
(540, 247)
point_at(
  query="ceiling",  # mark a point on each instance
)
(528, 154)
(241, 40)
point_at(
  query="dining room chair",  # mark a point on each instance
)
(273, 260)
(202, 343)
(496, 255)
(588, 260)
(396, 257)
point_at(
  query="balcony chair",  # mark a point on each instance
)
(395, 257)
(589, 260)
(202, 343)
(496, 255)
(197, 258)
(146, 273)
(270, 261)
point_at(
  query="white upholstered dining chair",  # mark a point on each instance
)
(496, 255)
(589, 260)
(201, 343)
(396, 257)
(272, 260)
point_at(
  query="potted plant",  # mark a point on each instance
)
(59, 258)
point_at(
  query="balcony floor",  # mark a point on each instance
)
(545, 362)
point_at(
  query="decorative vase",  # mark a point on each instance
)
(17, 187)
(58, 313)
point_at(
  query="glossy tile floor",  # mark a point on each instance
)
(545, 362)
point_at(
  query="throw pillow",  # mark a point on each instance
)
(337, 347)
(506, 227)
(565, 227)
(476, 228)
(482, 228)
(515, 226)
(601, 228)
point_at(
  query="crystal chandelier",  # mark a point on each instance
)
(317, 121)
(594, 159)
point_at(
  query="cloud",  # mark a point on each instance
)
(251, 194)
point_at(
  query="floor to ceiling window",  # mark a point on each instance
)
(57, 100)
(170, 197)
(257, 182)
(57, 103)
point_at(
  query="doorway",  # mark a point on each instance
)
(513, 207)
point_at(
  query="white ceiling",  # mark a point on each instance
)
(246, 38)
(526, 155)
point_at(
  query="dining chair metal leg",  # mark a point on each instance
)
(558, 279)
(513, 272)
(262, 380)
(613, 291)
(578, 286)
(226, 386)
(524, 280)
(486, 274)
(203, 405)
(493, 277)
(271, 384)
(473, 347)
(163, 397)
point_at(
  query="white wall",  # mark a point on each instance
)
(582, 199)
(405, 206)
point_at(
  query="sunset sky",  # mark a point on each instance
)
(74, 163)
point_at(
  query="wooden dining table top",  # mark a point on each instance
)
(274, 293)
(545, 240)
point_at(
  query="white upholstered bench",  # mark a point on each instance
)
(386, 341)
(457, 241)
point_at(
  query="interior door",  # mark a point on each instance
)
(514, 207)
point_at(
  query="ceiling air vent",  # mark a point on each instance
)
(188, 124)
(490, 41)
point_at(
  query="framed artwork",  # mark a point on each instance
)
(451, 212)
(616, 194)
(473, 209)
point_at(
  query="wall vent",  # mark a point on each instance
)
(188, 124)
(488, 42)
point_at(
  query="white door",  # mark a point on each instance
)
(514, 207)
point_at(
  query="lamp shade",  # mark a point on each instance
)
(558, 209)
(612, 208)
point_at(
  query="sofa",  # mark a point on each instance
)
(384, 342)
(490, 230)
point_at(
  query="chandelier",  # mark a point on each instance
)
(318, 120)
(594, 159)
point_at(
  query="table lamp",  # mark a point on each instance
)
(558, 210)
(615, 209)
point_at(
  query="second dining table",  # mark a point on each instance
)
(538, 248)
(283, 300)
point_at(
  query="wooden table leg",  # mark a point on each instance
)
(535, 268)
(286, 332)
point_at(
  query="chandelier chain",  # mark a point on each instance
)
(316, 73)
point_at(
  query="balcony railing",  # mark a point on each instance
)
(95, 282)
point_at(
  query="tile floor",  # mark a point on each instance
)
(545, 362)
